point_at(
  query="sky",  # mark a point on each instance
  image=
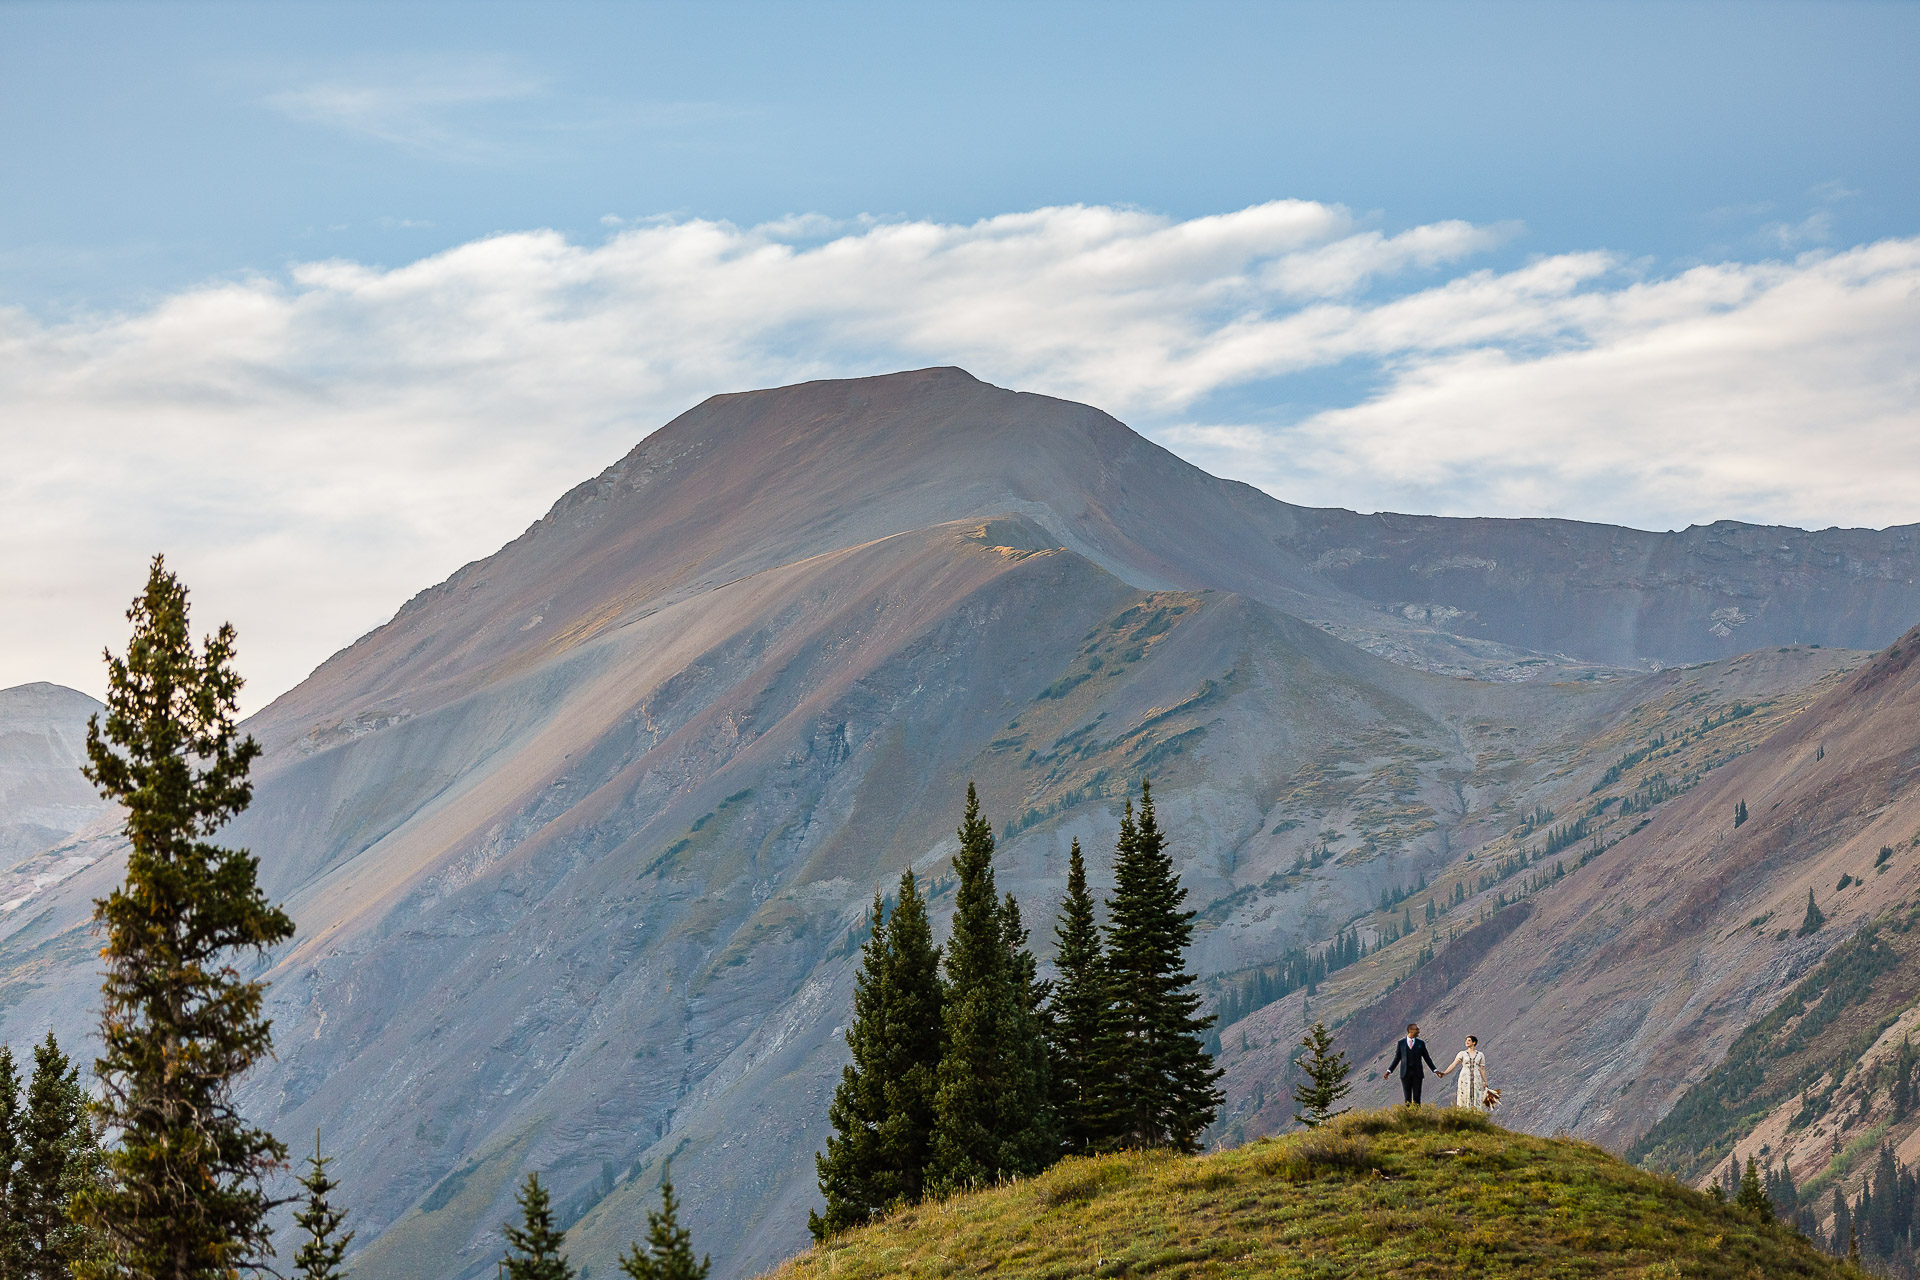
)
(324, 301)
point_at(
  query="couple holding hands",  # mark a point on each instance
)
(1472, 1090)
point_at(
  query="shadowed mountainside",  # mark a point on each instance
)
(579, 844)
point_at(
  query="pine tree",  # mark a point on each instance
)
(669, 1254)
(1159, 1078)
(1326, 1081)
(59, 1158)
(1753, 1193)
(882, 1111)
(1079, 1010)
(540, 1246)
(323, 1254)
(184, 1194)
(1739, 813)
(985, 1126)
(1843, 1236)
(1815, 920)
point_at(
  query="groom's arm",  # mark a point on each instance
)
(1399, 1051)
(1427, 1056)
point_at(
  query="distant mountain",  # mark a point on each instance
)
(580, 843)
(43, 798)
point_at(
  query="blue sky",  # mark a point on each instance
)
(326, 300)
(153, 145)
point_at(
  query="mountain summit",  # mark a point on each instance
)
(580, 843)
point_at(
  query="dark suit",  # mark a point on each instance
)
(1406, 1060)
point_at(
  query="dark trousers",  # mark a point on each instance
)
(1410, 1085)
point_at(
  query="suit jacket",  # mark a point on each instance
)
(1407, 1059)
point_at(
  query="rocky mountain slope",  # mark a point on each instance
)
(579, 844)
(43, 798)
(1608, 997)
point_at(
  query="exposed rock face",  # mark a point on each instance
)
(1622, 596)
(580, 842)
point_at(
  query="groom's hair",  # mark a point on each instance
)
(1413, 1028)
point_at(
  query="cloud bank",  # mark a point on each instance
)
(312, 448)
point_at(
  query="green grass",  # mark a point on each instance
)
(1400, 1193)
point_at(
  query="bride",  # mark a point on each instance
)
(1472, 1066)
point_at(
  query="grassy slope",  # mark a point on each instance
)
(1387, 1193)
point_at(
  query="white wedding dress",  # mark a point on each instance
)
(1471, 1091)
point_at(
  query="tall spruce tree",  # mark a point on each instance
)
(1079, 1008)
(536, 1249)
(1160, 1081)
(322, 1255)
(184, 1195)
(59, 1158)
(882, 1111)
(986, 1125)
(669, 1254)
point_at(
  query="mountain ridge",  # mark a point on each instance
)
(578, 840)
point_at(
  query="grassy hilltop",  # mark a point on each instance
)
(1431, 1192)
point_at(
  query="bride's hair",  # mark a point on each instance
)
(1474, 1040)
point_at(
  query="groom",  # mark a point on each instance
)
(1407, 1057)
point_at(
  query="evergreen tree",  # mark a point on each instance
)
(1842, 1223)
(1079, 1010)
(882, 1111)
(1739, 813)
(985, 1121)
(184, 1196)
(1816, 918)
(1031, 1142)
(669, 1254)
(1326, 1081)
(59, 1158)
(1882, 1226)
(12, 1187)
(323, 1254)
(1753, 1193)
(1159, 1078)
(539, 1245)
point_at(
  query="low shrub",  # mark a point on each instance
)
(1323, 1151)
(1415, 1120)
(1078, 1181)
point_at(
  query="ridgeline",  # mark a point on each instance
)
(1431, 1192)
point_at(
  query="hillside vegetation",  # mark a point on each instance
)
(1426, 1192)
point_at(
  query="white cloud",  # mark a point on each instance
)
(476, 109)
(413, 105)
(313, 449)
